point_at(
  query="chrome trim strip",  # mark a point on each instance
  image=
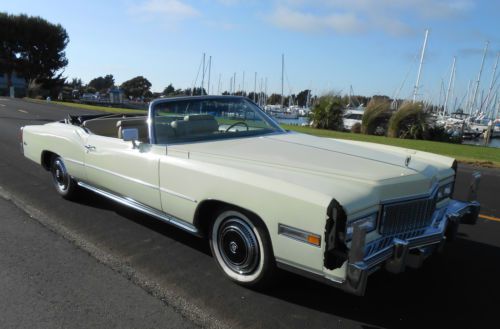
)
(143, 208)
(182, 196)
(305, 271)
(74, 161)
(425, 195)
(297, 234)
(135, 180)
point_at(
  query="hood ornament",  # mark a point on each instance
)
(407, 160)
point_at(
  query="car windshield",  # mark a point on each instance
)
(354, 116)
(199, 119)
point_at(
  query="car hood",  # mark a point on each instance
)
(294, 151)
(345, 169)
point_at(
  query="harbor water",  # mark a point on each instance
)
(300, 121)
(494, 142)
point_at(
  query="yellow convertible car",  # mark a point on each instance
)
(220, 168)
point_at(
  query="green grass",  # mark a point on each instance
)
(88, 107)
(479, 155)
(485, 156)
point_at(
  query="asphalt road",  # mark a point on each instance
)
(458, 289)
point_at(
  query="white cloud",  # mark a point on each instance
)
(172, 9)
(302, 21)
(347, 16)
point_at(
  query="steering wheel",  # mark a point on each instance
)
(239, 123)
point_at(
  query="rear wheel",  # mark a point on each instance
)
(64, 184)
(242, 249)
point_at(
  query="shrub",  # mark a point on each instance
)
(356, 128)
(376, 117)
(327, 113)
(410, 121)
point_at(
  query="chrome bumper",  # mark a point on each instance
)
(402, 252)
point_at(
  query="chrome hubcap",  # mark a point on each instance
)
(238, 246)
(60, 175)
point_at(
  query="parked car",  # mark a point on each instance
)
(351, 117)
(219, 167)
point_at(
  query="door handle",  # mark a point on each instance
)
(89, 147)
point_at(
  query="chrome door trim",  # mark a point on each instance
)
(143, 208)
(135, 180)
(179, 195)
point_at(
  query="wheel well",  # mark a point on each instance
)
(208, 209)
(46, 159)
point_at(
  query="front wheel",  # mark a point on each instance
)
(64, 184)
(242, 249)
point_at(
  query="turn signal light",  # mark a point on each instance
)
(313, 239)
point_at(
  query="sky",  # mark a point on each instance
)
(372, 46)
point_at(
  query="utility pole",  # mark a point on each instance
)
(243, 85)
(422, 54)
(452, 75)
(476, 89)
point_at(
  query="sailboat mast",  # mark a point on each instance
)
(476, 89)
(254, 86)
(282, 77)
(209, 72)
(202, 75)
(493, 78)
(445, 109)
(422, 54)
(218, 86)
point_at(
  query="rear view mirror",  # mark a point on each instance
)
(130, 134)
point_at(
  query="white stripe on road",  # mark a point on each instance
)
(23, 111)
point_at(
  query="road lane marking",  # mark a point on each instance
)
(490, 218)
(23, 111)
(2, 105)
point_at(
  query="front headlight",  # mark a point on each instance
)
(368, 223)
(444, 191)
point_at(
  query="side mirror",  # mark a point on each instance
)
(130, 134)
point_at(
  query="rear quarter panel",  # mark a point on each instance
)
(63, 139)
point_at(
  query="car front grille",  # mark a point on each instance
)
(406, 216)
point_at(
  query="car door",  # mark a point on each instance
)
(124, 169)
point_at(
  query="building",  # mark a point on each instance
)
(18, 83)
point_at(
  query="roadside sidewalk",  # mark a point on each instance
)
(46, 282)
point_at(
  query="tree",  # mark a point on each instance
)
(275, 99)
(32, 47)
(327, 113)
(136, 87)
(102, 84)
(302, 97)
(169, 90)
